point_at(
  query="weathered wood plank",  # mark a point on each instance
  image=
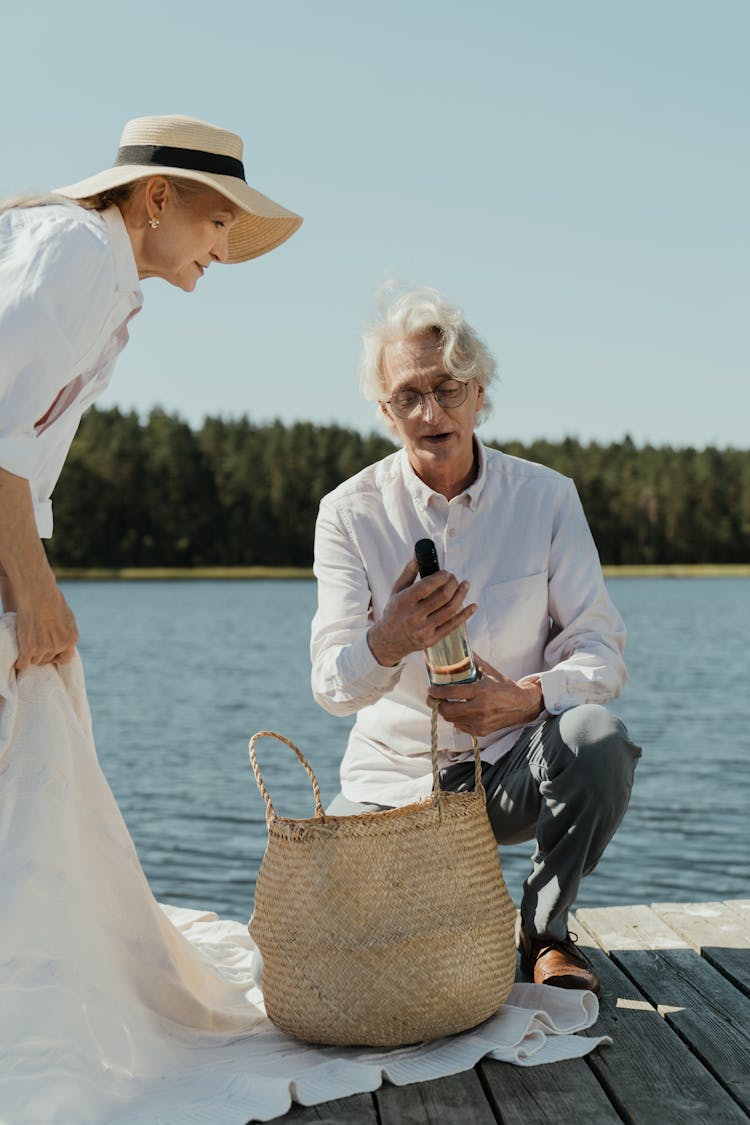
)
(445, 1101)
(630, 927)
(546, 1095)
(703, 1007)
(649, 1074)
(719, 931)
(357, 1110)
(708, 923)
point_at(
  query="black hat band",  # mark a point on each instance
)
(192, 159)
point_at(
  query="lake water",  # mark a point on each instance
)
(180, 674)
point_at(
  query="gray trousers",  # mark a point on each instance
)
(566, 784)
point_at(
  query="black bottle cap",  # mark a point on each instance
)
(427, 559)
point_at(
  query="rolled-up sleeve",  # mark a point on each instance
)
(584, 656)
(345, 674)
(56, 283)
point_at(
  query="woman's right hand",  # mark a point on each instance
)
(46, 628)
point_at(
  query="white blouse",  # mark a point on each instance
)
(68, 287)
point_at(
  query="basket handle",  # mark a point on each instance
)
(270, 810)
(434, 749)
(319, 813)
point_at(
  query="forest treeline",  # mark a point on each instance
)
(233, 493)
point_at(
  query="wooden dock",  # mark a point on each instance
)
(676, 1002)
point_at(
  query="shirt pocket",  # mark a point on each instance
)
(517, 624)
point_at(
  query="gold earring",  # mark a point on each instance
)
(153, 223)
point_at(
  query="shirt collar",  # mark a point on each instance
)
(423, 495)
(476, 488)
(126, 270)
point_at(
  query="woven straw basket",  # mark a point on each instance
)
(385, 928)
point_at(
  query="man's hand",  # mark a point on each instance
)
(418, 614)
(492, 702)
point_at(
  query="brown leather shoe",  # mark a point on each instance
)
(559, 963)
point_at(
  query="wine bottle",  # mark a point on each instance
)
(451, 660)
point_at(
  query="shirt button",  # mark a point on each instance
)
(452, 533)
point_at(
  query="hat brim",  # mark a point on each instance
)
(262, 226)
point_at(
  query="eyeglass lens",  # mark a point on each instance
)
(447, 395)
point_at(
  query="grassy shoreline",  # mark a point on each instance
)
(166, 573)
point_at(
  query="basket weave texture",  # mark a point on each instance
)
(385, 928)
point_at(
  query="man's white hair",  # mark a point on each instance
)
(406, 312)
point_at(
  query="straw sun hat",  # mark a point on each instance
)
(194, 150)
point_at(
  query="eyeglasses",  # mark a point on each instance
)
(448, 395)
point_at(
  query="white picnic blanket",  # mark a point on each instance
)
(116, 1009)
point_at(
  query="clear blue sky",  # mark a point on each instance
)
(573, 173)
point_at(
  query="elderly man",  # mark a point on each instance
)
(557, 767)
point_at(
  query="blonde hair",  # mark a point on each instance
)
(185, 191)
(16, 202)
(412, 311)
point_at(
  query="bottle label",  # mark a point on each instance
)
(463, 672)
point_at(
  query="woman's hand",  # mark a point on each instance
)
(46, 629)
(492, 702)
(418, 614)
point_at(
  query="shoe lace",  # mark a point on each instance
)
(570, 940)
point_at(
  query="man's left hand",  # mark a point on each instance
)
(492, 702)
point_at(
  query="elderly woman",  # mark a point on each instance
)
(557, 766)
(175, 201)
